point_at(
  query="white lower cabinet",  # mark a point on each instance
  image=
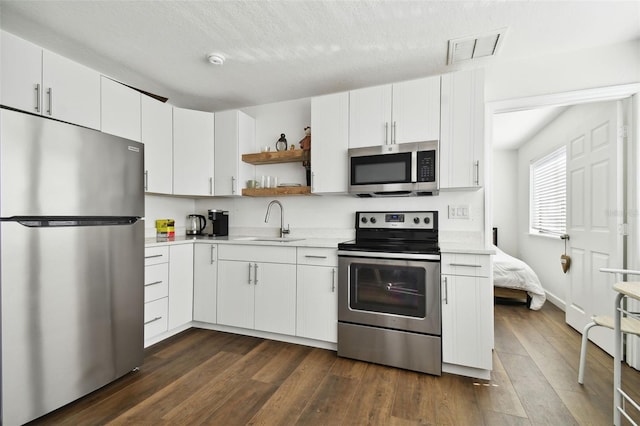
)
(257, 288)
(180, 285)
(156, 291)
(155, 318)
(205, 282)
(317, 297)
(467, 311)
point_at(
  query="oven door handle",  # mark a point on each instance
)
(386, 255)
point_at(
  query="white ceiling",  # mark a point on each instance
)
(512, 129)
(278, 50)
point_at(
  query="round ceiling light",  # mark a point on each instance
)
(215, 58)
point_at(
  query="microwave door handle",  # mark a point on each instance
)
(414, 166)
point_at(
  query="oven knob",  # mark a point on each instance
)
(363, 220)
(416, 220)
(373, 220)
(427, 220)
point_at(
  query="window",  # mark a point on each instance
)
(549, 193)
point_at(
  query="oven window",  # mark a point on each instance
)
(387, 168)
(390, 289)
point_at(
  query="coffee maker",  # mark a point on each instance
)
(220, 221)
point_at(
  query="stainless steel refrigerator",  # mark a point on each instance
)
(71, 262)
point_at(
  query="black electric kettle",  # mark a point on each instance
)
(196, 224)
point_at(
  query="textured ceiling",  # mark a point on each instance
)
(278, 50)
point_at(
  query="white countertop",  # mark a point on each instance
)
(241, 239)
(465, 248)
(445, 247)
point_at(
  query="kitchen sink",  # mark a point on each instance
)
(276, 239)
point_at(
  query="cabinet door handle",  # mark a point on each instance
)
(146, 180)
(315, 256)
(212, 254)
(393, 133)
(313, 179)
(211, 185)
(152, 256)
(37, 97)
(50, 101)
(153, 283)
(466, 265)
(249, 274)
(233, 185)
(333, 280)
(255, 274)
(386, 132)
(446, 291)
(476, 166)
(152, 320)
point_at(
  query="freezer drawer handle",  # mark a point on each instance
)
(152, 320)
(153, 283)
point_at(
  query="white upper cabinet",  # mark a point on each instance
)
(235, 134)
(71, 91)
(369, 116)
(41, 82)
(330, 141)
(120, 109)
(21, 74)
(157, 136)
(193, 152)
(416, 110)
(403, 112)
(462, 130)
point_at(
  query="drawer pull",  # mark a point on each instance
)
(153, 283)
(152, 256)
(152, 320)
(314, 256)
(467, 265)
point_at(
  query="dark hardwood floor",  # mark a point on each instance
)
(207, 377)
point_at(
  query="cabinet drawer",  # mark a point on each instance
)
(317, 256)
(156, 281)
(155, 255)
(155, 317)
(249, 253)
(475, 265)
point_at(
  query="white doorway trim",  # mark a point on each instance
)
(562, 99)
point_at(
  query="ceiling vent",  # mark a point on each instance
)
(479, 46)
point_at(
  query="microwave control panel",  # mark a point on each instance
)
(426, 166)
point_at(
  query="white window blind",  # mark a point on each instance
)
(549, 193)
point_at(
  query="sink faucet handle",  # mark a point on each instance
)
(286, 231)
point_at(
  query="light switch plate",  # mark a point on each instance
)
(460, 211)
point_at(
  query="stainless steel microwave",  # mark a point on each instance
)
(394, 170)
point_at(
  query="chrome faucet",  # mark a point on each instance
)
(283, 231)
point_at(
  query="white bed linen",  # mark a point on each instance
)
(510, 272)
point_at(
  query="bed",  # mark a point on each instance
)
(514, 280)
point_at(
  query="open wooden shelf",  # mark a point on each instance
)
(273, 157)
(281, 190)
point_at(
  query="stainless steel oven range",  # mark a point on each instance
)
(389, 307)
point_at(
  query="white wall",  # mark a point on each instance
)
(505, 201)
(598, 67)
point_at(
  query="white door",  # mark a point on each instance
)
(594, 206)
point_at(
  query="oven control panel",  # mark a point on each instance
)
(397, 220)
